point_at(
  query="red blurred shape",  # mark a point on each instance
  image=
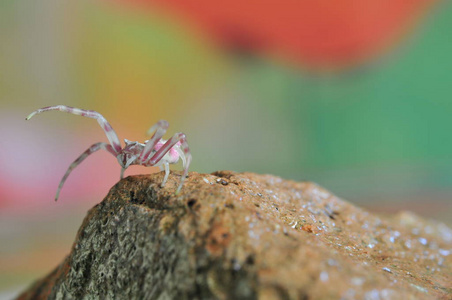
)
(317, 33)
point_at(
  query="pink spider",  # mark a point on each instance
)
(154, 152)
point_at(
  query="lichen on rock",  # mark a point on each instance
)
(245, 236)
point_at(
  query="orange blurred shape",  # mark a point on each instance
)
(316, 33)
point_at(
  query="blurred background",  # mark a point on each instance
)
(354, 95)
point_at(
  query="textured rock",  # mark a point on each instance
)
(247, 236)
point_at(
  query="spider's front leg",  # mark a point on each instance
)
(111, 134)
(81, 158)
(178, 137)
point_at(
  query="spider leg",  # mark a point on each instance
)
(128, 163)
(178, 137)
(182, 156)
(160, 129)
(166, 166)
(111, 134)
(81, 158)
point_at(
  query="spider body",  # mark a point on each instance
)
(153, 152)
(133, 150)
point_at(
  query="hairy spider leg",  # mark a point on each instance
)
(160, 129)
(90, 150)
(178, 137)
(111, 134)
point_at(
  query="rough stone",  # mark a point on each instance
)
(246, 236)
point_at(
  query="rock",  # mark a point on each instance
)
(246, 236)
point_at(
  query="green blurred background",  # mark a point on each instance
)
(373, 127)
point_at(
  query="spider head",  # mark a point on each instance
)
(129, 153)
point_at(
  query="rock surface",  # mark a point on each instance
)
(246, 236)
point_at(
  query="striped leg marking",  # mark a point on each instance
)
(111, 134)
(160, 129)
(81, 158)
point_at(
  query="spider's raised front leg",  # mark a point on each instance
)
(178, 137)
(111, 134)
(81, 158)
(160, 129)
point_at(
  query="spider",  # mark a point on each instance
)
(154, 152)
